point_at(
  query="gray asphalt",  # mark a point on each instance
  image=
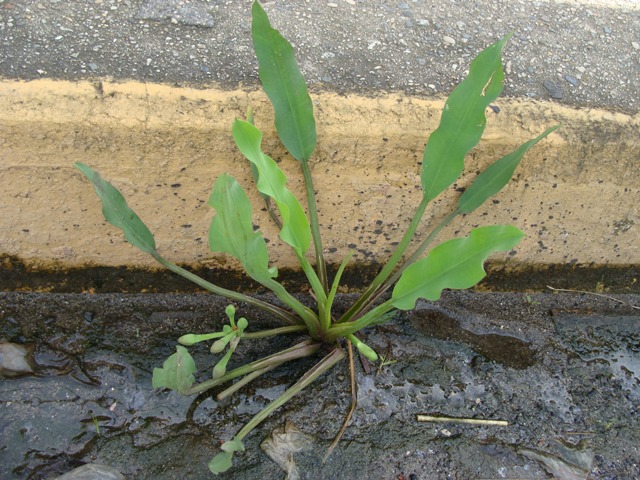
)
(571, 53)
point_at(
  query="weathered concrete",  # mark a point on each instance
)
(576, 194)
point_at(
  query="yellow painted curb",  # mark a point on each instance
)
(576, 195)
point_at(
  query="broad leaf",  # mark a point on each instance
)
(462, 122)
(285, 87)
(272, 181)
(231, 230)
(117, 212)
(176, 372)
(456, 264)
(494, 178)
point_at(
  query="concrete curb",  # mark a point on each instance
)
(575, 195)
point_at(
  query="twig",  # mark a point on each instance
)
(595, 294)
(354, 403)
(471, 421)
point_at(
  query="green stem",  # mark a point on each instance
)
(301, 350)
(343, 329)
(420, 250)
(316, 285)
(415, 256)
(391, 263)
(274, 331)
(243, 381)
(282, 314)
(326, 320)
(321, 367)
(306, 314)
(315, 226)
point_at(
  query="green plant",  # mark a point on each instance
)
(454, 264)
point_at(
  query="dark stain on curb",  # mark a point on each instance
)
(17, 275)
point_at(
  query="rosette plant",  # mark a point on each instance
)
(422, 273)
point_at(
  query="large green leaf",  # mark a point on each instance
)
(272, 182)
(176, 372)
(231, 230)
(494, 178)
(285, 87)
(456, 264)
(462, 122)
(117, 212)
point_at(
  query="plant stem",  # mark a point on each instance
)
(243, 381)
(306, 314)
(274, 331)
(415, 256)
(325, 321)
(282, 314)
(315, 226)
(391, 264)
(301, 350)
(354, 404)
(316, 286)
(325, 364)
(342, 329)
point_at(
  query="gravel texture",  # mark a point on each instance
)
(577, 53)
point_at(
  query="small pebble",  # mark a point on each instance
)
(448, 40)
(572, 80)
(555, 91)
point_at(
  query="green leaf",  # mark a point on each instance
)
(462, 122)
(232, 446)
(285, 87)
(494, 178)
(117, 212)
(223, 461)
(456, 264)
(231, 230)
(176, 372)
(272, 181)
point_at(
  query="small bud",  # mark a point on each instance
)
(363, 348)
(219, 370)
(242, 324)
(221, 367)
(191, 338)
(219, 345)
(188, 339)
(367, 351)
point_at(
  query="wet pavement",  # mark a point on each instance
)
(563, 370)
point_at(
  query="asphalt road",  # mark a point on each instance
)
(577, 53)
